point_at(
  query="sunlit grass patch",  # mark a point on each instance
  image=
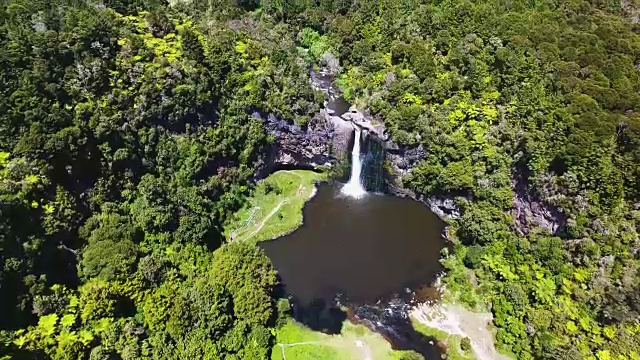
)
(356, 342)
(275, 207)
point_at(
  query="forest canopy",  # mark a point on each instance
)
(127, 141)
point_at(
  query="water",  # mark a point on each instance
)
(366, 249)
(354, 187)
(338, 105)
(371, 254)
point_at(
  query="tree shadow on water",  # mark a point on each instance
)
(321, 316)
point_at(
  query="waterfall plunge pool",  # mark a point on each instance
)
(365, 249)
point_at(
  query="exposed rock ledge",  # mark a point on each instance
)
(295, 146)
(401, 161)
(328, 138)
(366, 122)
(529, 212)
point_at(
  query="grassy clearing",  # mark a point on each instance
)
(275, 207)
(454, 350)
(356, 342)
(318, 347)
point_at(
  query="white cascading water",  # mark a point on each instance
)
(354, 187)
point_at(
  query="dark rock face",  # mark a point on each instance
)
(529, 212)
(328, 138)
(325, 140)
(366, 122)
(390, 318)
(445, 208)
(342, 136)
(296, 146)
(402, 161)
(373, 158)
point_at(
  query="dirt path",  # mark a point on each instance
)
(245, 223)
(282, 346)
(455, 320)
(264, 221)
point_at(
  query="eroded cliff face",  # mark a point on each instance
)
(294, 146)
(323, 142)
(327, 140)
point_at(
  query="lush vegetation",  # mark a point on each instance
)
(128, 139)
(527, 112)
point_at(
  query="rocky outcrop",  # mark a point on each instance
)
(366, 122)
(295, 146)
(328, 138)
(529, 212)
(323, 81)
(323, 140)
(342, 135)
(401, 161)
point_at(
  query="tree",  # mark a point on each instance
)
(111, 252)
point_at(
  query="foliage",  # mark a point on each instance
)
(128, 137)
(527, 114)
(130, 134)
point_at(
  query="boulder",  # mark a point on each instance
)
(342, 135)
(529, 212)
(366, 122)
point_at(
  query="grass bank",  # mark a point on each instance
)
(356, 342)
(275, 207)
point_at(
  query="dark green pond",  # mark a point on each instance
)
(365, 249)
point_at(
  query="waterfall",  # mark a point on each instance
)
(354, 187)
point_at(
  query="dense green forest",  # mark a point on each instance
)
(127, 142)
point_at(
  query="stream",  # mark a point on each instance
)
(363, 256)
